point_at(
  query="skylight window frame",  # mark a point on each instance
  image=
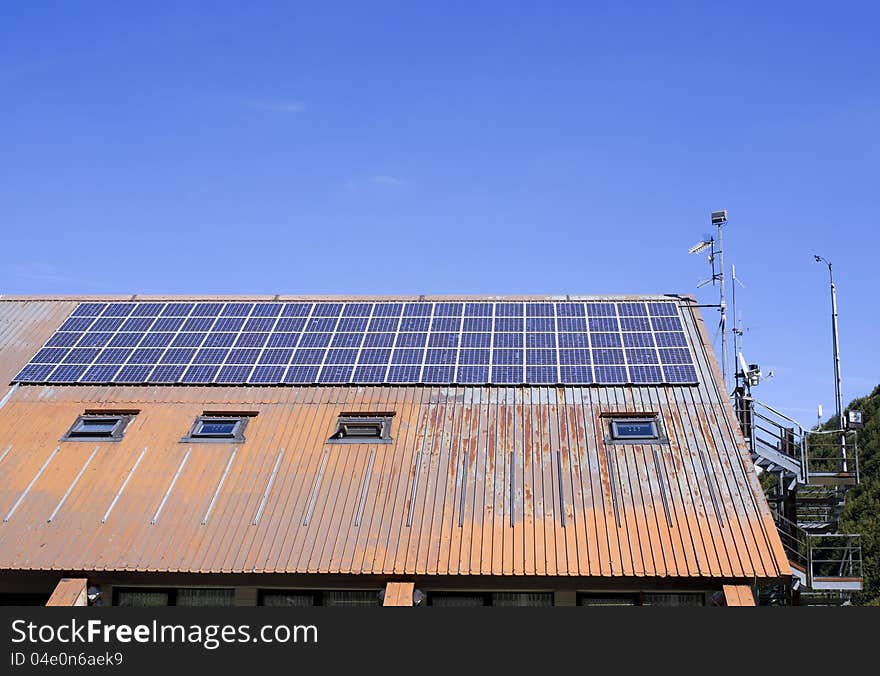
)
(378, 421)
(236, 436)
(613, 435)
(78, 430)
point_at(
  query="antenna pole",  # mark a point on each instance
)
(735, 322)
(838, 395)
(723, 307)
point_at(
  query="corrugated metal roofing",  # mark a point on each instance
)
(478, 480)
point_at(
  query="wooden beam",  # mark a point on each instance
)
(399, 594)
(738, 595)
(70, 591)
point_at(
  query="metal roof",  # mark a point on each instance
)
(477, 481)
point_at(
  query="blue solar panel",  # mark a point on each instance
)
(443, 340)
(575, 324)
(540, 324)
(407, 356)
(670, 339)
(236, 310)
(163, 339)
(114, 355)
(608, 356)
(295, 324)
(148, 310)
(473, 357)
(259, 324)
(188, 340)
(35, 373)
(570, 310)
(243, 356)
(541, 357)
(507, 374)
(133, 374)
(375, 356)
(315, 339)
(233, 374)
(333, 373)
(606, 342)
(251, 339)
(438, 374)
(66, 373)
(107, 324)
(177, 310)
(341, 356)
(680, 374)
(403, 374)
(638, 340)
(441, 356)
(575, 357)
(610, 374)
(573, 340)
(509, 324)
(118, 310)
(283, 340)
(275, 356)
(479, 324)
(266, 310)
(207, 309)
(476, 339)
(267, 374)
(88, 310)
(167, 374)
(666, 323)
(379, 340)
(507, 357)
(297, 310)
(211, 355)
(369, 374)
(200, 374)
(415, 324)
(473, 374)
(137, 323)
(64, 339)
(641, 355)
(646, 374)
(411, 340)
(541, 374)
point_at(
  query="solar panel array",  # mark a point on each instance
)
(601, 342)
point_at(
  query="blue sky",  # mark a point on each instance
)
(490, 147)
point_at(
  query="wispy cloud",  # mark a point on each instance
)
(48, 274)
(376, 181)
(278, 106)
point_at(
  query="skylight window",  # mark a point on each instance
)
(218, 428)
(363, 429)
(634, 429)
(92, 426)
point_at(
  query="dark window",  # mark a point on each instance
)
(608, 600)
(313, 597)
(218, 428)
(501, 599)
(185, 596)
(634, 429)
(362, 429)
(91, 426)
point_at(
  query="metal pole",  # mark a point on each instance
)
(723, 305)
(838, 395)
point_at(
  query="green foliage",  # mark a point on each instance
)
(861, 513)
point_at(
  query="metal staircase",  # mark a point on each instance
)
(808, 473)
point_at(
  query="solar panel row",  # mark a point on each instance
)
(362, 342)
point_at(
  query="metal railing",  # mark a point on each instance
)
(832, 455)
(826, 560)
(834, 556)
(767, 429)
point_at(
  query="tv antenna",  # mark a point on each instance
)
(718, 219)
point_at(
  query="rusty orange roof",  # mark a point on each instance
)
(478, 480)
